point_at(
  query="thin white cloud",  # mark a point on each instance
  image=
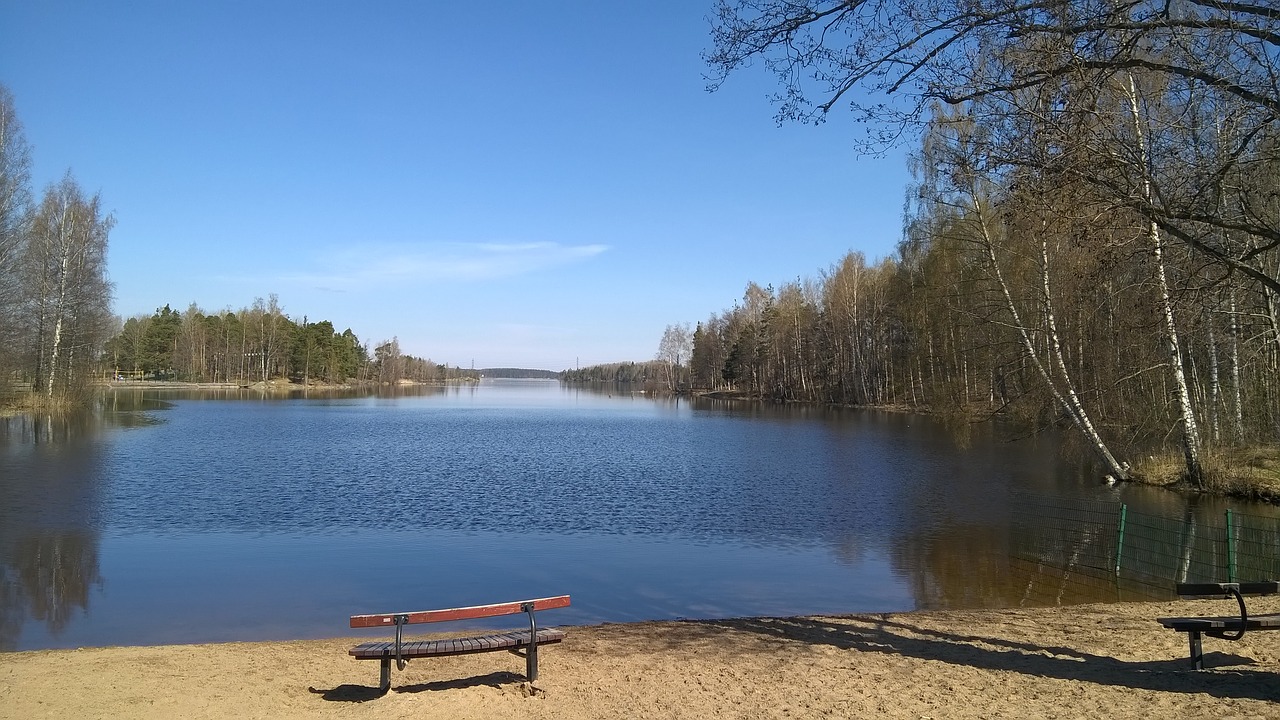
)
(380, 265)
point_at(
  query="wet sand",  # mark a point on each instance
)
(1089, 661)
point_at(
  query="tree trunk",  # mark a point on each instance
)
(64, 261)
(1190, 433)
(1214, 385)
(1237, 406)
(1066, 397)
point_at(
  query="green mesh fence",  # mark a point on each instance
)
(1067, 550)
(1255, 546)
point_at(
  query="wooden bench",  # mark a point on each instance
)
(402, 650)
(1231, 627)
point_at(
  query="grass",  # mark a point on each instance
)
(1250, 471)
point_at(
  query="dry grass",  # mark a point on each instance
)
(1164, 470)
(1251, 471)
(30, 401)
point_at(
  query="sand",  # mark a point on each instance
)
(1089, 661)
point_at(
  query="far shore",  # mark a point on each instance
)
(273, 385)
(1248, 473)
(1088, 661)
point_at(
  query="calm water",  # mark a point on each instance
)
(172, 518)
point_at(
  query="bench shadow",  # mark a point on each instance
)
(493, 680)
(365, 693)
(348, 693)
(1220, 659)
(886, 636)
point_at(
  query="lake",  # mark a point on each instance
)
(176, 517)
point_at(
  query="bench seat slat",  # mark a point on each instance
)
(1228, 623)
(454, 646)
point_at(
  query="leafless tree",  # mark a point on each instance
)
(15, 214)
(68, 296)
(674, 349)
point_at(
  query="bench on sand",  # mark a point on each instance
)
(1229, 627)
(402, 650)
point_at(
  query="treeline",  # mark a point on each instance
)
(519, 373)
(55, 299)
(256, 344)
(652, 372)
(1093, 231)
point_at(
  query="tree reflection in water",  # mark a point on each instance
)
(49, 542)
(46, 576)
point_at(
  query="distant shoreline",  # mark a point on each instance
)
(277, 385)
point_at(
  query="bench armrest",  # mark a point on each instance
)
(1231, 590)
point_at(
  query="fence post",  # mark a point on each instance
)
(1120, 536)
(1231, 549)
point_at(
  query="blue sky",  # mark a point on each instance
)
(531, 184)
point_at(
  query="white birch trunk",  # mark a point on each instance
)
(1067, 399)
(64, 248)
(1214, 386)
(1237, 406)
(1190, 432)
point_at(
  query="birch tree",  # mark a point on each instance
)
(674, 350)
(67, 296)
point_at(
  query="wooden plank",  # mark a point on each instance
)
(1229, 622)
(464, 613)
(371, 649)
(459, 646)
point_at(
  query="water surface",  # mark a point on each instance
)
(182, 517)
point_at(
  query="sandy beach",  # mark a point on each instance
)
(1088, 661)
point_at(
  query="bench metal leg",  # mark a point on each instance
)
(384, 675)
(1197, 652)
(531, 652)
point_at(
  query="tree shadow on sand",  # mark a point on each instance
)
(364, 693)
(888, 636)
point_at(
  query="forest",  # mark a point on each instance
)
(1091, 239)
(256, 344)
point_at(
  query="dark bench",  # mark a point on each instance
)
(1231, 627)
(402, 650)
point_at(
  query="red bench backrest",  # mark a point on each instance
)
(463, 613)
